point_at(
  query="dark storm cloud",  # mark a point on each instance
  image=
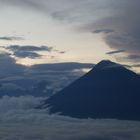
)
(11, 38)
(115, 52)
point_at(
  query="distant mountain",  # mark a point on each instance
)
(109, 90)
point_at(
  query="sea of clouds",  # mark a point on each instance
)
(20, 121)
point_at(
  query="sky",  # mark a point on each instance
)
(70, 31)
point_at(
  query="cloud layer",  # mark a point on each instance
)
(19, 120)
(37, 80)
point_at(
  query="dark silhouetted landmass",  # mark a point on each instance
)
(108, 91)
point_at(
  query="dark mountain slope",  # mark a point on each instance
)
(108, 91)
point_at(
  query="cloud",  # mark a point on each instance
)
(128, 66)
(19, 120)
(24, 54)
(11, 38)
(28, 51)
(125, 22)
(11, 89)
(57, 75)
(106, 31)
(69, 66)
(22, 80)
(115, 52)
(9, 67)
(29, 48)
(22, 3)
(135, 57)
(130, 58)
(62, 10)
(62, 52)
(137, 65)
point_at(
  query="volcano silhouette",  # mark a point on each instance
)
(109, 90)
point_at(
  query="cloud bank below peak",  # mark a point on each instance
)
(19, 120)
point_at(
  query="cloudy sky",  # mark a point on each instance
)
(49, 31)
(71, 35)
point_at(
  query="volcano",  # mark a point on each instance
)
(108, 91)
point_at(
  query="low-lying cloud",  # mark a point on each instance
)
(39, 79)
(69, 66)
(19, 120)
